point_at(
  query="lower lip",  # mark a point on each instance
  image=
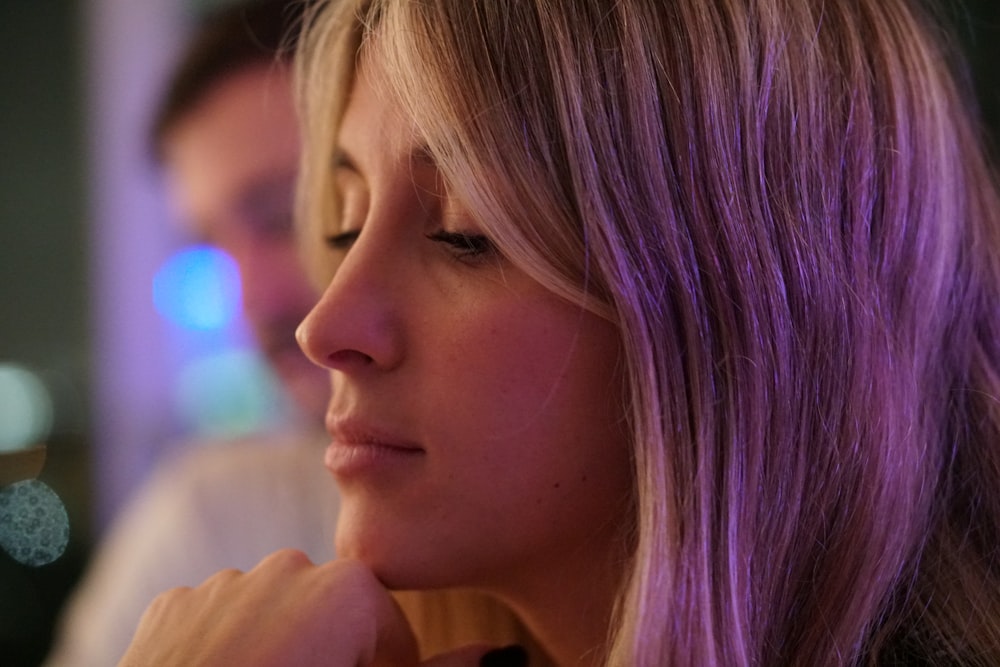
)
(354, 459)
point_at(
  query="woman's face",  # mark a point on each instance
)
(476, 417)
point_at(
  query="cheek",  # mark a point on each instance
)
(539, 393)
(539, 451)
(502, 375)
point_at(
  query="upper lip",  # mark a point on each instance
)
(353, 431)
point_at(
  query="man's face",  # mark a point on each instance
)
(231, 163)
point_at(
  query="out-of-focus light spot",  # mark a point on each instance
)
(34, 526)
(228, 393)
(25, 408)
(198, 288)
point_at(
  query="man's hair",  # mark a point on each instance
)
(227, 40)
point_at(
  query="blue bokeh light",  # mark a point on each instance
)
(228, 393)
(198, 288)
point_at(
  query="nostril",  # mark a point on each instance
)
(343, 359)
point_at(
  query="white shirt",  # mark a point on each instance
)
(217, 506)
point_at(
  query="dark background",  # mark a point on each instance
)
(44, 302)
(44, 248)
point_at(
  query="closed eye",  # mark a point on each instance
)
(464, 246)
(343, 240)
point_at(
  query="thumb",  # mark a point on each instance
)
(480, 655)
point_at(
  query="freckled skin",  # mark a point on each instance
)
(512, 392)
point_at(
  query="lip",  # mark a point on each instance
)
(357, 448)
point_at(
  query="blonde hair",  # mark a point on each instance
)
(783, 206)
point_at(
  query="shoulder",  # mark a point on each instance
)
(214, 492)
(214, 505)
(219, 505)
(213, 460)
(259, 476)
(255, 466)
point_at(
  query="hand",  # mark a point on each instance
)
(286, 611)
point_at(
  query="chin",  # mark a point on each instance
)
(401, 560)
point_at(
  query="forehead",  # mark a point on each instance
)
(375, 126)
(242, 133)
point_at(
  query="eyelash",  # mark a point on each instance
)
(464, 246)
(343, 240)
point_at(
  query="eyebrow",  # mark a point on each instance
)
(420, 155)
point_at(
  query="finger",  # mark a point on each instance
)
(385, 638)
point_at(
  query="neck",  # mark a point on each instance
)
(568, 606)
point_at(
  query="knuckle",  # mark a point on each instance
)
(351, 568)
(222, 577)
(167, 599)
(286, 559)
(353, 575)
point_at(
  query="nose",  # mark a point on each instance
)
(356, 325)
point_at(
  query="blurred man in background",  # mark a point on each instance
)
(226, 136)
